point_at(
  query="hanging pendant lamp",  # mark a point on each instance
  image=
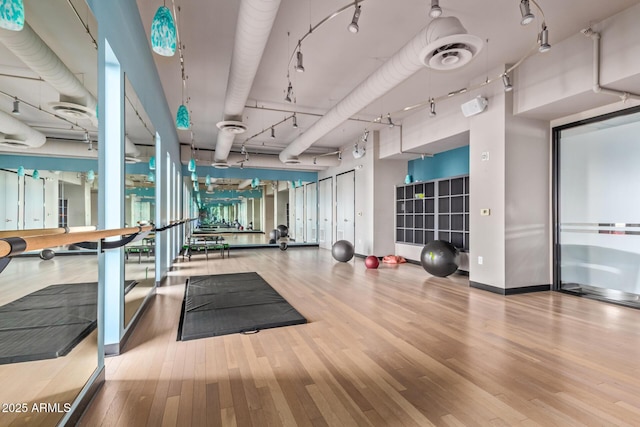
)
(151, 177)
(192, 165)
(20, 171)
(182, 117)
(36, 174)
(152, 163)
(11, 15)
(163, 32)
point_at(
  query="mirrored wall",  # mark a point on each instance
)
(48, 183)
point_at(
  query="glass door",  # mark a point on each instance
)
(597, 208)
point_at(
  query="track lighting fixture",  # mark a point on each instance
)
(543, 39)
(295, 121)
(435, 11)
(525, 11)
(353, 26)
(243, 150)
(273, 133)
(508, 87)
(16, 107)
(365, 136)
(90, 146)
(432, 107)
(389, 121)
(299, 66)
(289, 93)
(88, 140)
(339, 155)
(242, 165)
(315, 161)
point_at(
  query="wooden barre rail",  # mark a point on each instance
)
(42, 231)
(31, 232)
(15, 245)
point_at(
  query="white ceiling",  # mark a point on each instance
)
(336, 61)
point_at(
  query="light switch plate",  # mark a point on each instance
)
(485, 212)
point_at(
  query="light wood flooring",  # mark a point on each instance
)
(386, 347)
(55, 381)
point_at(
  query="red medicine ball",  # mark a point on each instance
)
(371, 262)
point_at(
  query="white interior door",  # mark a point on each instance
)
(33, 203)
(312, 212)
(345, 207)
(300, 215)
(325, 208)
(8, 201)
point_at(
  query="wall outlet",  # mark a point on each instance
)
(485, 212)
(480, 260)
(484, 156)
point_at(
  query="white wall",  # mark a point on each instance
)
(375, 181)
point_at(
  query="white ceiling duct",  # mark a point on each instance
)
(449, 46)
(402, 65)
(76, 101)
(15, 134)
(255, 21)
(58, 149)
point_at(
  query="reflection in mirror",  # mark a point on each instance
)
(139, 206)
(48, 180)
(247, 213)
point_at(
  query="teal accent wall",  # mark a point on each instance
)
(442, 165)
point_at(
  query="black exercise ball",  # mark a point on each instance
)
(283, 246)
(284, 230)
(342, 250)
(272, 241)
(439, 258)
(274, 235)
(47, 254)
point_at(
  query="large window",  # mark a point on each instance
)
(597, 210)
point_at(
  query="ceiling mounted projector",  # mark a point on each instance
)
(448, 45)
(476, 106)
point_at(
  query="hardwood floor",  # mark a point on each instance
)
(384, 347)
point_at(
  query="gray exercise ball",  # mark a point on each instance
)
(47, 254)
(283, 246)
(439, 258)
(284, 230)
(342, 250)
(274, 234)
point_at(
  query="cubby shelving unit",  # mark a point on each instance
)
(433, 210)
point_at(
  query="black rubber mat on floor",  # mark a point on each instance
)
(230, 303)
(48, 323)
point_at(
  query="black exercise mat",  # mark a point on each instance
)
(48, 323)
(230, 303)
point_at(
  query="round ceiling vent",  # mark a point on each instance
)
(232, 126)
(72, 110)
(448, 45)
(292, 161)
(13, 143)
(221, 165)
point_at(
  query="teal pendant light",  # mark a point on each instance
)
(152, 163)
(151, 177)
(299, 183)
(408, 179)
(91, 176)
(163, 32)
(20, 170)
(192, 165)
(36, 174)
(182, 117)
(194, 176)
(11, 15)
(207, 180)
